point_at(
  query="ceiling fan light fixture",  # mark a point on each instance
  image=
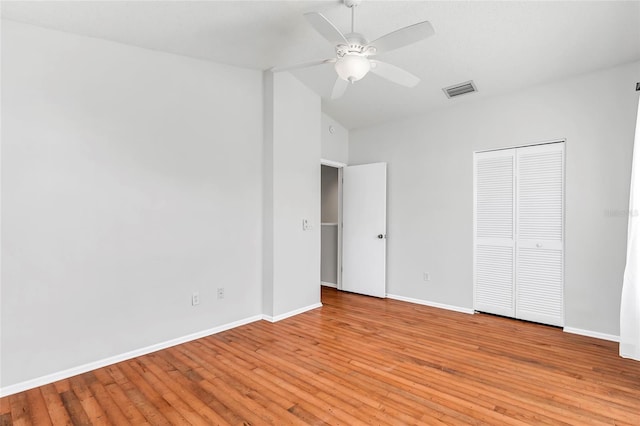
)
(352, 67)
(352, 50)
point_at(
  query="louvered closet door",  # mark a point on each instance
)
(539, 230)
(494, 232)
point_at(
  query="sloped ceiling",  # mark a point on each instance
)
(503, 46)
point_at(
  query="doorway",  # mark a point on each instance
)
(330, 230)
(353, 227)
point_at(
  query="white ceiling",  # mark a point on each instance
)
(502, 46)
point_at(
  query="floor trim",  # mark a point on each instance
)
(74, 371)
(291, 313)
(327, 284)
(432, 304)
(589, 333)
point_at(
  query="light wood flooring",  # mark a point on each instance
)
(357, 360)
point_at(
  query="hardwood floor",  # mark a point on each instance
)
(357, 360)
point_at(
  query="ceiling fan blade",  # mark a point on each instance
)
(303, 65)
(402, 37)
(394, 74)
(339, 88)
(326, 28)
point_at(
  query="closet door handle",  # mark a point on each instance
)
(381, 236)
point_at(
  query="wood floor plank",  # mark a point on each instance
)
(439, 370)
(105, 388)
(356, 361)
(233, 392)
(227, 408)
(190, 392)
(350, 393)
(203, 356)
(91, 407)
(57, 412)
(157, 407)
(114, 415)
(5, 407)
(74, 408)
(20, 409)
(325, 368)
(346, 410)
(38, 410)
(316, 354)
(5, 419)
(308, 392)
(249, 388)
(149, 403)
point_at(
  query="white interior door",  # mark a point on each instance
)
(494, 195)
(364, 218)
(518, 233)
(540, 223)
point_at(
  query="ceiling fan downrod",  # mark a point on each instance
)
(352, 4)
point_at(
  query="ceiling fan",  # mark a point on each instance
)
(353, 51)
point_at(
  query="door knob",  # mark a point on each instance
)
(381, 236)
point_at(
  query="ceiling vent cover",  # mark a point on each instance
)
(460, 89)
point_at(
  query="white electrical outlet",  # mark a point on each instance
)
(195, 298)
(221, 293)
(426, 276)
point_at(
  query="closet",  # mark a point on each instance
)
(329, 238)
(519, 232)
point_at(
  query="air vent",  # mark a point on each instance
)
(460, 89)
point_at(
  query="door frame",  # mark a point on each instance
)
(337, 165)
(564, 216)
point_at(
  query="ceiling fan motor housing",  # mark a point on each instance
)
(357, 44)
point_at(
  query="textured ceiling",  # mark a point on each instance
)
(502, 46)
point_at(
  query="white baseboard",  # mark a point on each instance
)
(432, 304)
(589, 333)
(326, 284)
(630, 350)
(291, 313)
(74, 371)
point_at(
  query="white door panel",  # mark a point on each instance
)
(494, 232)
(364, 192)
(540, 221)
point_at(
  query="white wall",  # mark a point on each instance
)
(335, 146)
(292, 193)
(130, 178)
(430, 187)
